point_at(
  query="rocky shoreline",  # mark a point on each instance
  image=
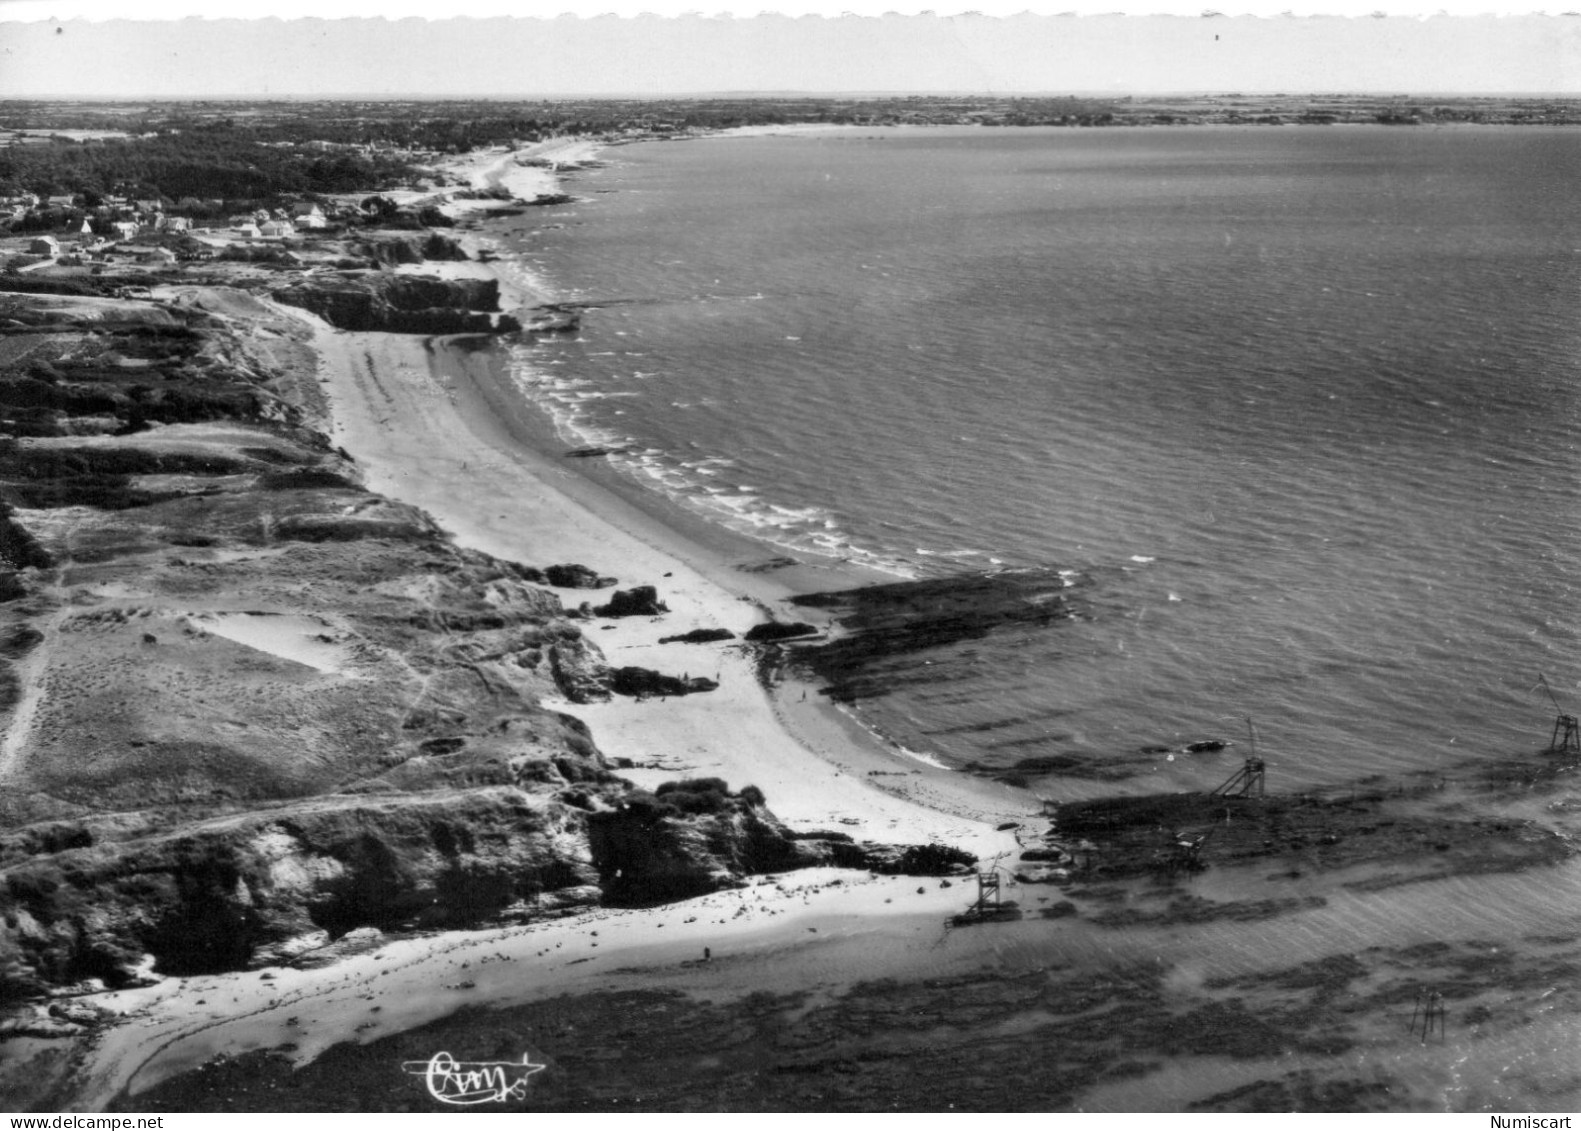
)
(255, 709)
(176, 581)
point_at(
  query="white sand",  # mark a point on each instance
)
(821, 930)
(310, 641)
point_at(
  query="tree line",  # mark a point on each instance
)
(205, 163)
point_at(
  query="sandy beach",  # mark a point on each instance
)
(436, 423)
(430, 425)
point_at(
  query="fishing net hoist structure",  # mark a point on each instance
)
(987, 893)
(1251, 779)
(1566, 737)
(1248, 781)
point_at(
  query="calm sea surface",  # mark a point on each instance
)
(1298, 409)
(1298, 406)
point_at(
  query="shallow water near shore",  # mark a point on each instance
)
(1294, 411)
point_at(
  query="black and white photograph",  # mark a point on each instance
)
(602, 559)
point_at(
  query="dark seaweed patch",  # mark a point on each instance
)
(905, 619)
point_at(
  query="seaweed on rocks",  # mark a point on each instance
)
(699, 636)
(573, 575)
(1119, 836)
(640, 601)
(908, 618)
(779, 630)
(1304, 1091)
(644, 683)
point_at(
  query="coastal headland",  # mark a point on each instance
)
(353, 715)
(284, 683)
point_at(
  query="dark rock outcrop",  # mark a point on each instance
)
(699, 636)
(641, 601)
(933, 615)
(690, 837)
(643, 682)
(579, 671)
(687, 839)
(572, 575)
(779, 630)
(391, 250)
(553, 318)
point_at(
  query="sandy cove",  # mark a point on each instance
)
(433, 427)
(436, 423)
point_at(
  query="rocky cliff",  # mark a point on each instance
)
(392, 249)
(264, 887)
(402, 304)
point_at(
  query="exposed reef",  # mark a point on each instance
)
(1374, 839)
(886, 626)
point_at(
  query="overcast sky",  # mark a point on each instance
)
(93, 48)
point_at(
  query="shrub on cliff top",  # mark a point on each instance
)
(696, 795)
(693, 785)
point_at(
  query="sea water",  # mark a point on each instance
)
(1295, 409)
(1298, 407)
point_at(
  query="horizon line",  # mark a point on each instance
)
(371, 96)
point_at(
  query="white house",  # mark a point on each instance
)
(309, 217)
(126, 229)
(43, 245)
(276, 229)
